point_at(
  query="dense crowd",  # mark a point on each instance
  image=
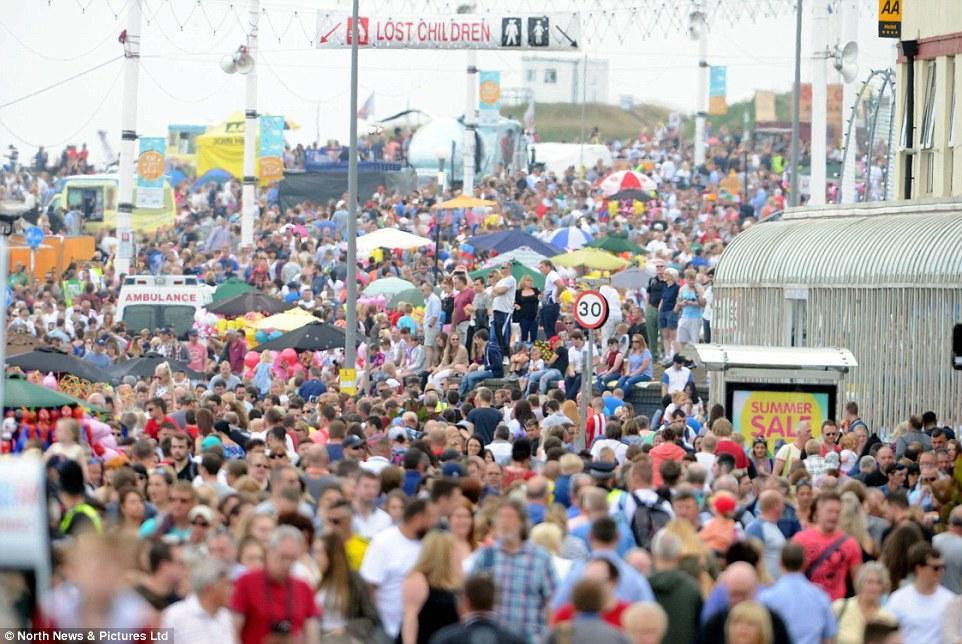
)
(458, 495)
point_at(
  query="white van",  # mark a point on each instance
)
(156, 301)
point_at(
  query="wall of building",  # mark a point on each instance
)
(559, 80)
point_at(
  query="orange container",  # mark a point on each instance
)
(46, 260)
(75, 249)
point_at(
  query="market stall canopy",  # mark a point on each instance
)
(18, 392)
(53, 361)
(288, 321)
(518, 269)
(252, 301)
(616, 244)
(390, 238)
(466, 201)
(231, 287)
(590, 258)
(145, 365)
(222, 146)
(315, 336)
(388, 287)
(523, 255)
(508, 240)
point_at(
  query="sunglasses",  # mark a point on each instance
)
(178, 499)
(201, 523)
(275, 457)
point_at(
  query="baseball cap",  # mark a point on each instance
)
(452, 470)
(352, 440)
(678, 359)
(602, 470)
(201, 511)
(724, 503)
(397, 434)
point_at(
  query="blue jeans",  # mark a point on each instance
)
(472, 380)
(541, 379)
(529, 330)
(626, 382)
(501, 324)
(549, 317)
(572, 386)
(601, 382)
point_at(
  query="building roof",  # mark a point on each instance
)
(916, 244)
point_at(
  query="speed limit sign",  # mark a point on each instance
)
(591, 309)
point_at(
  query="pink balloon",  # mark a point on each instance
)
(251, 359)
(289, 356)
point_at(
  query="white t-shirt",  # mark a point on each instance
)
(372, 525)
(619, 448)
(505, 301)
(576, 358)
(388, 560)
(550, 294)
(920, 616)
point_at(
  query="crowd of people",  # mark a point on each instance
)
(459, 495)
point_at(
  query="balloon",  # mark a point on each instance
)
(260, 336)
(289, 356)
(221, 326)
(50, 381)
(78, 413)
(251, 359)
(275, 334)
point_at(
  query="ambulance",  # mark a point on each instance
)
(156, 301)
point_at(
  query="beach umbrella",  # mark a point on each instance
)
(388, 287)
(18, 392)
(231, 287)
(570, 237)
(391, 238)
(465, 201)
(315, 336)
(52, 361)
(633, 278)
(522, 255)
(144, 366)
(518, 270)
(592, 258)
(287, 321)
(252, 301)
(627, 180)
(507, 240)
(215, 175)
(631, 194)
(616, 244)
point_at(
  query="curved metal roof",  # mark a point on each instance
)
(915, 244)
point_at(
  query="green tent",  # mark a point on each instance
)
(17, 392)
(519, 270)
(617, 244)
(232, 287)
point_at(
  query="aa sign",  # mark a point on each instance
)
(890, 18)
(776, 415)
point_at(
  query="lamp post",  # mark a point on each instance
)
(350, 333)
(698, 30)
(128, 138)
(442, 154)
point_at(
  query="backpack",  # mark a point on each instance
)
(647, 520)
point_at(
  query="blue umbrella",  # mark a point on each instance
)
(508, 240)
(216, 175)
(571, 237)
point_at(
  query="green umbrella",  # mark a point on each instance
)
(408, 296)
(232, 287)
(17, 392)
(388, 286)
(518, 269)
(617, 244)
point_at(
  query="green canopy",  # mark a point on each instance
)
(617, 244)
(518, 269)
(232, 287)
(17, 392)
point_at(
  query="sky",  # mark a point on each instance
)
(44, 43)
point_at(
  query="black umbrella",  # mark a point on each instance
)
(630, 194)
(316, 336)
(247, 302)
(145, 365)
(50, 360)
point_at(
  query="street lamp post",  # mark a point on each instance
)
(698, 30)
(442, 154)
(350, 334)
(128, 139)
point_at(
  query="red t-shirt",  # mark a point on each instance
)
(731, 447)
(151, 427)
(510, 475)
(613, 616)
(830, 574)
(263, 602)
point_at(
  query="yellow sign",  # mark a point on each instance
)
(150, 165)
(272, 169)
(490, 92)
(348, 381)
(775, 415)
(890, 18)
(717, 106)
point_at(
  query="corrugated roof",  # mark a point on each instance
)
(867, 245)
(715, 357)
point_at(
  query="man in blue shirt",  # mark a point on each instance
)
(804, 607)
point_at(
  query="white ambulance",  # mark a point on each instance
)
(156, 301)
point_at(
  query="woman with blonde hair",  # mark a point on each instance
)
(853, 521)
(549, 536)
(696, 559)
(749, 623)
(428, 594)
(163, 382)
(462, 529)
(853, 613)
(570, 409)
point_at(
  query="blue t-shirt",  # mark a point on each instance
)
(669, 296)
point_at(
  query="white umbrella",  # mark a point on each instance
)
(390, 238)
(522, 254)
(571, 238)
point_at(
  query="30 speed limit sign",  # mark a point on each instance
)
(591, 309)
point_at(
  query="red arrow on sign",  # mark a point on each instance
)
(326, 36)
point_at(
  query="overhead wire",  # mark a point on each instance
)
(60, 82)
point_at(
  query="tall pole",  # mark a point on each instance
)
(702, 96)
(819, 102)
(470, 123)
(849, 97)
(793, 199)
(3, 320)
(128, 140)
(586, 382)
(350, 351)
(584, 102)
(248, 194)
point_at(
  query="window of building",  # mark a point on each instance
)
(928, 108)
(551, 75)
(531, 75)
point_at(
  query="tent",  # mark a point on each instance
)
(521, 254)
(518, 270)
(506, 240)
(222, 147)
(298, 187)
(390, 238)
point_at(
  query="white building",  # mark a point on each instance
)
(565, 79)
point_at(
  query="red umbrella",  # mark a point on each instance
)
(627, 180)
